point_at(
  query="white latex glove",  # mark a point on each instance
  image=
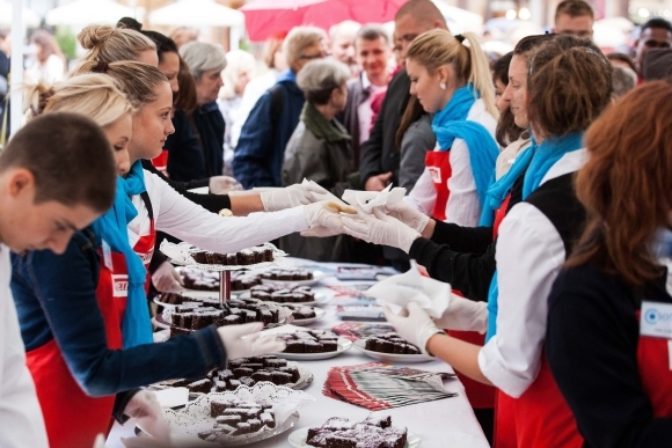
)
(223, 184)
(379, 228)
(166, 278)
(243, 341)
(298, 194)
(464, 315)
(144, 408)
(409, 215)
(324, 218)
(415, 326)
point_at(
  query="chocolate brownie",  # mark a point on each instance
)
(244, 257)
(311, 341)
(391, 343)
(370, 433)
(282, 294)
(284, 274)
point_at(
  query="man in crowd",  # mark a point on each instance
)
(656, 33)
(372, 52)
(574, 17)
(342, 44)
(379, 158)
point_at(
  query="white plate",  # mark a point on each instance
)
(319, 312)
(298, 439)
(343, 345)
(321, 298)
(391, 357)
(317, 277)
(180, 254)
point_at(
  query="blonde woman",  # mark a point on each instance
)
(108, 44)
(451, 79)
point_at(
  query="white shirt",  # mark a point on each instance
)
(463, 206)
(253, 91)
(21, 422)
(364, 111)
(176, 215)
(530, 254)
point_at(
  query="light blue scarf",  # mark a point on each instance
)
(535, 161)
(451, 122)
(112, 228)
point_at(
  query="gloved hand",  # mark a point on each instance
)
(414, 325)
(464, 315)
(223, 184)
(243, 341)
(409, 215)
(144, 408)
(324, 218)
(298, 194)
(379, 228)
(166, 278)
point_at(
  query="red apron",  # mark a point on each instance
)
(480, 395)
(72, 418)
(160, 162)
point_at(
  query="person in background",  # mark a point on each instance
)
(106, 44)
(274, 63)
(342, 44)
(183, 35)
(258, 158)
(655, 33)
(607, 343)
(240, 66)
(320, 150)
(206, 62)
(625, 73)
(49, 62)
(575, 17)
(657, 64)
(372, 52)
(45, 198)
(379, 156)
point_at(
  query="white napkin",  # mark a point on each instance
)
(398, 291)
(366, 201)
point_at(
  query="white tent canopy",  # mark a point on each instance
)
(85, 12)
(30, 17)
(196, 13)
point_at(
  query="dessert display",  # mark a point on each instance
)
(285, 274)
(302, 312)
(391, 343)
(280, 294)
(194, 316)
(234, 417)
(253, 255)
(200, 280)
(311, 341)
(372, 432)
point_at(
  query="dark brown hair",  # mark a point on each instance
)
(626, 186)
(574, 8)
(569, 84)
(70, 158)
(185, 99)
(507, 131)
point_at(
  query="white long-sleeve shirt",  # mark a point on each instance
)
(463, 206)
(530, 254)
(177, 216)
(21, 422)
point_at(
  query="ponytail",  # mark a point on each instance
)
(480, 75)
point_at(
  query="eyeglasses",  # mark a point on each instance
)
(655, 44)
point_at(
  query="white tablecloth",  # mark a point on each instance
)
(444, 423)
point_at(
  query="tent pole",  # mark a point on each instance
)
(16, 69)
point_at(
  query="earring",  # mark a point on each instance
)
(442, 85)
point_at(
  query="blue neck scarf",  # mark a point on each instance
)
(112, 228)
(535, 161)
(451, 122)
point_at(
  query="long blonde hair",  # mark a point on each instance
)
(107, 44)
(438, 47)
(94, 95)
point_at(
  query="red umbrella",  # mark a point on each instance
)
(267, 18)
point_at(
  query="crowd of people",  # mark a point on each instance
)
(537, 185)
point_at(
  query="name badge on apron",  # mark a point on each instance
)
(119, 285)
(435, 174)
(656, 321)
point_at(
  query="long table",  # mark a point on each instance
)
(444, 423)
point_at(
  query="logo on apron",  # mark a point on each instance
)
(119, 285)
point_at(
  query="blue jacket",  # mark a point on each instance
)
(55, 298)
(258, 158)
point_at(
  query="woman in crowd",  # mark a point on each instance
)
(49, 63)
(239, 71)
(451, 79)
(106, 44)
(607, 343)
(569, 84)
(320, 150)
